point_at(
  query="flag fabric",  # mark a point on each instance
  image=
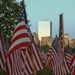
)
(73, 65)
(2, 53)
(67, 60)
(55, 63)
(48, 62)
(43, 56)
(55, 43)
(55, 46)
(28, 61)
(20, 39)
(36, 57)
(55, 57)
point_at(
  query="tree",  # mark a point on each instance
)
(8, 15)
(45, 47)
(2, 72)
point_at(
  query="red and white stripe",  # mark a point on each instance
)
(55, 63)
(73, 65)
(67, 62)
(13, 65)
(20, 37)
(37, 60)
(66, 69)
(2, 53)
(43, 56)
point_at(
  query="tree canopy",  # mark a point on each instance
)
(8, 15)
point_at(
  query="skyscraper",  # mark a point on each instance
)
(44, 29)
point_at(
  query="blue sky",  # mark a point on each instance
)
(38, 10)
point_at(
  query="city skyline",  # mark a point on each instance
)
(49, 10)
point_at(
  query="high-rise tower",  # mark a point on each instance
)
(44, 29)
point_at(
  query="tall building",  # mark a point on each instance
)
(44, 29)
(36, 38)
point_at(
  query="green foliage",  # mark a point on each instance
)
(44, 71)
(45, 47)
(8, 15)
(2, 72)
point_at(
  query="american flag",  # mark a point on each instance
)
(55, 46)
(20, 40)
(72, 65)
(55, 64)
(55, 43)
(53, 57)
(2, 53)
(43, 55)
(67, 60)
(28, 60)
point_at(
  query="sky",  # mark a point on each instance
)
(40, 10)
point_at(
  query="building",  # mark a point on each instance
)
(72, 43)
(36, 38)
(44, 29)
(66, 38)
(46, 40)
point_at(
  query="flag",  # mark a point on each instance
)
(73, 65)
(55, 46)
(20, 39)
(53, 58)
(2, 53)
(54, 61)
(34, 53)
(43, 55)
(55, 43)
(28, 60)
(67, 60)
